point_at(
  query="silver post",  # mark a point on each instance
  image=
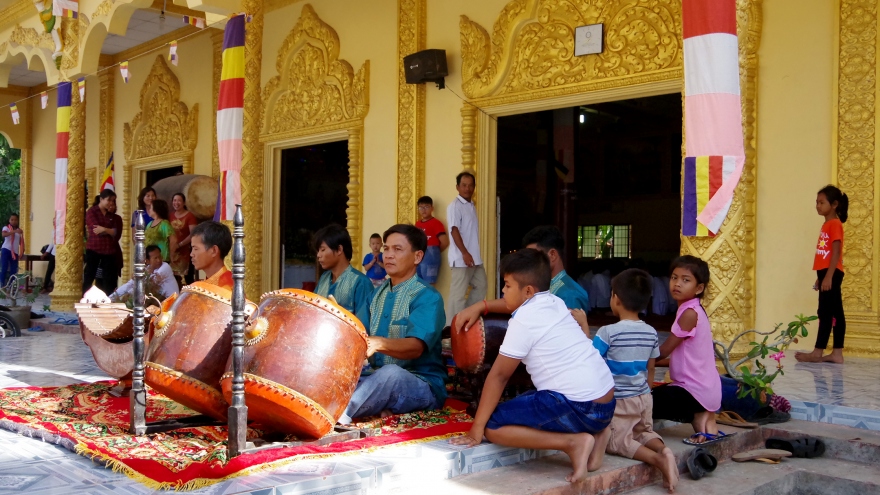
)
(238, 410)
(138, 397)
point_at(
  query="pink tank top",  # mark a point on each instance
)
(692, 363)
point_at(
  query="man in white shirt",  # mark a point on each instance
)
(160, 274)
(464, 251)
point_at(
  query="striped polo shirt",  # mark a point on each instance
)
(626, 346)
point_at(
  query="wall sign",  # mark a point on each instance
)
(588, 39)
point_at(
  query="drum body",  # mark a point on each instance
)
(476, 349)
(200, 192)
(302, 359)
(190, 346)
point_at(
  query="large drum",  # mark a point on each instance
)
(476, 349)
(107, 328)
(302, 360)
(192, 341)
(200, 192)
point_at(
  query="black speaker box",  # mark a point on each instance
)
(425, 66)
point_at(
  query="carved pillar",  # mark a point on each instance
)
(855, 171)
(469, 138)
(69, 262)
(252, 149)
(411, 32)
(105, 147)
(353, 212)
(217, 45)
(26, 176)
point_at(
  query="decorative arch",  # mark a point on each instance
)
(32, 47)
(110, 16)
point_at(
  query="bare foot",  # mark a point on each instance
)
(833, 358)
(670, 471)
(385, 413)
(808, 357)
(581, 446)
(597, 456)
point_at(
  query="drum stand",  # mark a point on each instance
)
(237, 434)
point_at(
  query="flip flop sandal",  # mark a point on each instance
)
(730, 418)
(767, 415)
(808, 447)
(710, 438)
(770, 456)
(701, 462)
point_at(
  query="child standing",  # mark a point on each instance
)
(695, 392)
(13, 247)
(373, 263)
(574, 401)
(630, 347)
(832, 204)
(437, 240)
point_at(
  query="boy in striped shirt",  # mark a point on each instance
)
(629, 348)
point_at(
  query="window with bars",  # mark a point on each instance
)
(604, 241)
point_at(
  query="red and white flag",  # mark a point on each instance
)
(44, 99)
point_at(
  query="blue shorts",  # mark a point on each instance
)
(551, 411)
(430, 265)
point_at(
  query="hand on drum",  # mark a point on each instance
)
(470, 439)
(373, 344)
(467, 317)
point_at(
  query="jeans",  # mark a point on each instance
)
(8, 266)
(429, 268)
(390, 387)
(745, 407)
(551, 411)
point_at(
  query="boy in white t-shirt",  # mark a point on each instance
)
(574, 401)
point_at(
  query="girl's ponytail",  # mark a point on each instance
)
(834, 194)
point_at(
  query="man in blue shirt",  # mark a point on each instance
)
(351, 288)
(549, 240)
(406, 317)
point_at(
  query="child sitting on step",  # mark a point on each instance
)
(574, 401)
(630, 347)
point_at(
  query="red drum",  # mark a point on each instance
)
(190, 346)
(476, 349)
(302, 360)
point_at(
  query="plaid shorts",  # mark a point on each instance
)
(551, 411)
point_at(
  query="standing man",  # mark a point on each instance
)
(464, 251)
(13, 247)
(406, 318)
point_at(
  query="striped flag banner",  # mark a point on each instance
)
(123, 69)
(13, 109)
(82, 88)
(107, 181)
(194, 21)
(44, 99)
(62, 128)
(65, 8)
(714, 152)
(230, 118)
(72, 14)
(172, 54)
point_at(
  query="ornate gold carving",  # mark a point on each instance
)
(411, 29)
(69, 262)
(105, 118)
(26, 177)
(103, 9)
(313, 87)
(252, 148)
(217, 46)
(469, 138)
(164, 124)
(70, 38)
(3, 47)
(354, 211)
(856, 169)
(15, 12)
(30, 37)
(532, 44)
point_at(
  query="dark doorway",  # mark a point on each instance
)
(608, 175)
(154, 176)
(314, 193)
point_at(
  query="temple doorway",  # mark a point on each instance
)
(155, 175)
(313, 193)
(608, 175)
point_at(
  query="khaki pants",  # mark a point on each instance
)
(473, 277)
(632, 425)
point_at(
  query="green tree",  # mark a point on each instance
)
(10, 170)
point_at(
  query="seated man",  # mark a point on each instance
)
(406, 317)
(547, 239)
(574, 401)
(211, 242)
(160, 274)
(351, 288)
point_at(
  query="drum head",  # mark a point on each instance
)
(469, 347)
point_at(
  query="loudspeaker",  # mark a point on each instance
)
(425, 66)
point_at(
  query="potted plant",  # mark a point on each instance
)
(13, 292)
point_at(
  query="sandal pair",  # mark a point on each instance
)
(730, 418)
(709, 438)
(807, 447)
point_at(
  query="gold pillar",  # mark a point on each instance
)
(105, 143)
(252, 149)
(217, 46)
(26, 175)
(354, 212)
(411, 33)
(855, 169)
(469, 138)
(69, 262)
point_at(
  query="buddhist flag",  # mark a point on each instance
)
(65, 8)
(123, 69)
(44, 99)
(230, 117)
(13, 109)
(172, 54)
(714, 154)
(62, 128)
(82, 88)
(107, 181)
(194, 21)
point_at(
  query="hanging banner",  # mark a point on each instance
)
(194, 21)
(62, 128)
(13, 109)
(107, 180)
(123, 69)
(44, 99)
(65, 8)
(172, 54)
(230, 118)
(714, 153)
(82, 88)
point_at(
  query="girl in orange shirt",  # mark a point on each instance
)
(832, 204)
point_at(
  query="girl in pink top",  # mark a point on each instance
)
(695, 392)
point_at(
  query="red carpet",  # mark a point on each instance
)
(86, 417)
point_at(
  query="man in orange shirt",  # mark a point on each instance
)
(211, 242)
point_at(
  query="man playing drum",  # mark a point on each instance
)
(211, 242)
(549, 240)
(352, 289)
(406, 370)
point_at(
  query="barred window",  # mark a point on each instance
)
(604, 241)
